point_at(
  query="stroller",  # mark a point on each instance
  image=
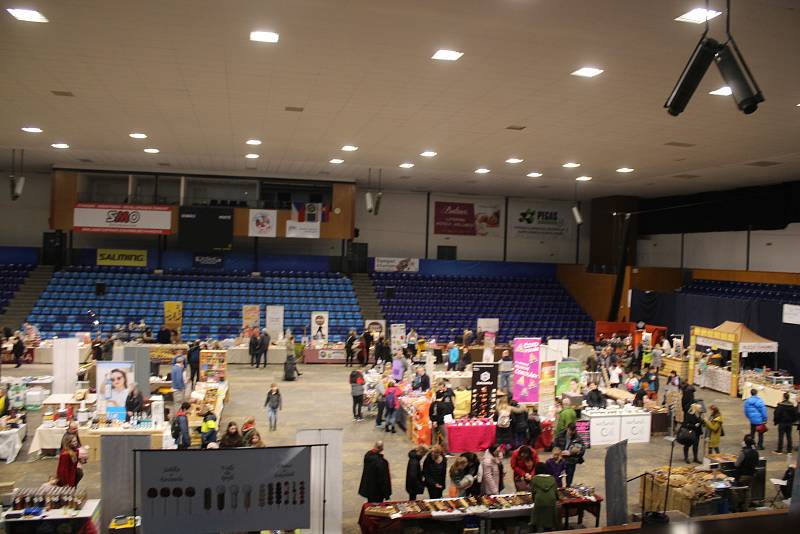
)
(290, 372)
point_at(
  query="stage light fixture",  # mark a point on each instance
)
(692, 74)
(737, 76)
(369, 202)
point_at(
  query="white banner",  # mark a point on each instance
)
(398, 332)
(561, 346)
(274, 322)
(376, 327)
(262, 223)
(319, 327)
(304, 230)
(534, 220)
(489, 325)
(122, 219)
(397, 265)
(791, 313)
(224, 490)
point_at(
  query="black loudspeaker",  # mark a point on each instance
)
(100, 289)
(53, 244)
(388, 292)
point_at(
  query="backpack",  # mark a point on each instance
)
(175, 428)
(391, 398)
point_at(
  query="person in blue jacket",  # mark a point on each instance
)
(756, 412)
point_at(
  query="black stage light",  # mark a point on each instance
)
(736, 75)
(691, 76)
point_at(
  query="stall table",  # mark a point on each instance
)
(93, 437)
(47, 440)
(574, 506)
(44, 353)
(324, 355)
(56, 520)
(241, 354)
(69, 400)
(770, 395)
(716, 378)
(470, 438)
(11, 442)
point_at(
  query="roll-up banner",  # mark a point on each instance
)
(526, 369)
(319, 327)
(274, 322)
(484, 389)
(173, 314)
(398, 332)
(251, 316)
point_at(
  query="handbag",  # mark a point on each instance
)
(685, 436)
(762, 428)
(721, 431)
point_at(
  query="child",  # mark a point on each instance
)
(208, 430)
(273, 403)
(557, 467)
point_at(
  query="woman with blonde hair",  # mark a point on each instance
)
(505, 434)
(460, 478)
(689, 433)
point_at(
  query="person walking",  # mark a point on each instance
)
(453, 355)
(572, 449)
(392, 399)
(523, 464)
(715, 431)
(348, 348)
(506, 370)
(194, 362)
(756, 412)
(232, 438)
(178, 380)
(783, 418)
(357, 392)
(376, 483)
(490, 471)
(263, 348)
(180, 427)
(273, 404)
(434, 472)
(689, 435)
(415, 482)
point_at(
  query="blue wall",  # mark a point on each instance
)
(19, 255)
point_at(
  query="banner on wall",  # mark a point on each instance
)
(262, 223)
(466, 218)
(376, 327)
(173, 314)
(484, 390)
(533, 220)
(122, 219)
(791, 313)
(302, 230)
(397, 265)
(526, 369)
(489, 325)
(112, 383)
(224, 490)
(251, 316)
(208, 261)
(121, 257)
(274, 322)
(568, 377)
(319, 327)
(398, 332)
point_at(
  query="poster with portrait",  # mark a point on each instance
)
(376, 327)
(114, 380)
(319, 327)
(568, 377)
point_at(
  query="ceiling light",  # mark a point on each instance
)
(624, 169)
(431, 153)
(32, 129)
(406, 165)
(482, 171)
(534, 174)
(722, 91)
(336, 161)
(254, 142)
(587, 72)
(571, 165)
(698, 15)
(264, 37)
(27, 15)
(349, 148)
(447, 55)
(514, 160)
(252, 156)
(137, 135)
(583, 178)
(60, 145)
(152, 150)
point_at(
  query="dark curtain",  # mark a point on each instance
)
(680, 311)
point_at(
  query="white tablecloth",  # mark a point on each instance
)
(46, 438)
(275, 354)
(11, 442)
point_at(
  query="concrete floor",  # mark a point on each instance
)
(321, 398)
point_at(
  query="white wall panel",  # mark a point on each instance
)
(715, 250)
(660, 250)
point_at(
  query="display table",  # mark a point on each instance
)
(770, 395)
(92, 438)
(714, 377)
(577, 506)
(470, 435)
(57, 520)
(48, 439)
(455, 378)
(679, 365)
(324, 355)
(68, 399)
(241, 354)
(607, 427)
(44, 353)
(11, 442)
(635, 427)
(29, 381)
(617, 394)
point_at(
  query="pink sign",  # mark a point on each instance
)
(454, 218)
(526, 369)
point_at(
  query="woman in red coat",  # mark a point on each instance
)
(68, 472)
(523, 464)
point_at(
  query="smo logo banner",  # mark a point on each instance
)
(123, 216)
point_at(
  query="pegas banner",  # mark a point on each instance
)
(262, 223)
(208, 261)
(251, 316)
(397, 265)
(534, 220)
(484, 390)
(122, 219)
(526, 369)
(173, 314)
(121, 257)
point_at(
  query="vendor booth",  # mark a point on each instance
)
(731, 344)
(606, 329)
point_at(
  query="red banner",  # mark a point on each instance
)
(454, 218)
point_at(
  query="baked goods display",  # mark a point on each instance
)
(461, 505)
(694, 484)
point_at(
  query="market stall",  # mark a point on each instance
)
(606, 329)
(692, 491)
(330, 353)
(59, 510)
(470, 435)
(12, 434)
(614, 424)
(240, 354)
(770, 386)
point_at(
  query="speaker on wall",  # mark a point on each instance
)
(53, 245)
(100, 289)
(388, 292)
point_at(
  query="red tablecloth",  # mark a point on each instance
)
(466, 438)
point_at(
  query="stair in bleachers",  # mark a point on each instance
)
(365, 295)
(745, 290)
(20, 286)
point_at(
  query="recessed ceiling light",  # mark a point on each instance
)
(406, 165)
(336, 161)
(254, 142)
(447, 55)
(349, 148)
(514, 160)
(583, 178)
(152, 150)
(60, 145)
(431, 153)
(722, 91)
(264, 37)
(482, 170)
(137, 135)
(252, 156)
(534, 174)
(31, 129)
(698, 15)
(625, 169)
(571, 165)
(587, 72)
(27, 15)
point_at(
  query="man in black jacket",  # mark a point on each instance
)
(252, 349)
(784, 418)
(441, 407)
(376, 485)
(263, 348)
(746, 464)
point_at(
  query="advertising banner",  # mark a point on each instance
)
(534, 220)
(319, 327)
(274, 322)
(398, 332)
(251, 316)
(225, 490)
(208, 261)
(526, 369)
(262, 223)
(173, 314)
(547, 388)
(113, 380)
(466, 218)
(121, 257)
(376, 327)
(122, 219)
(397, 265)
(489, 325)
(568, 377)
(484, 390)
(303, 230)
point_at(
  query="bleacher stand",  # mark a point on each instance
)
(11, 277)
(745, 290)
